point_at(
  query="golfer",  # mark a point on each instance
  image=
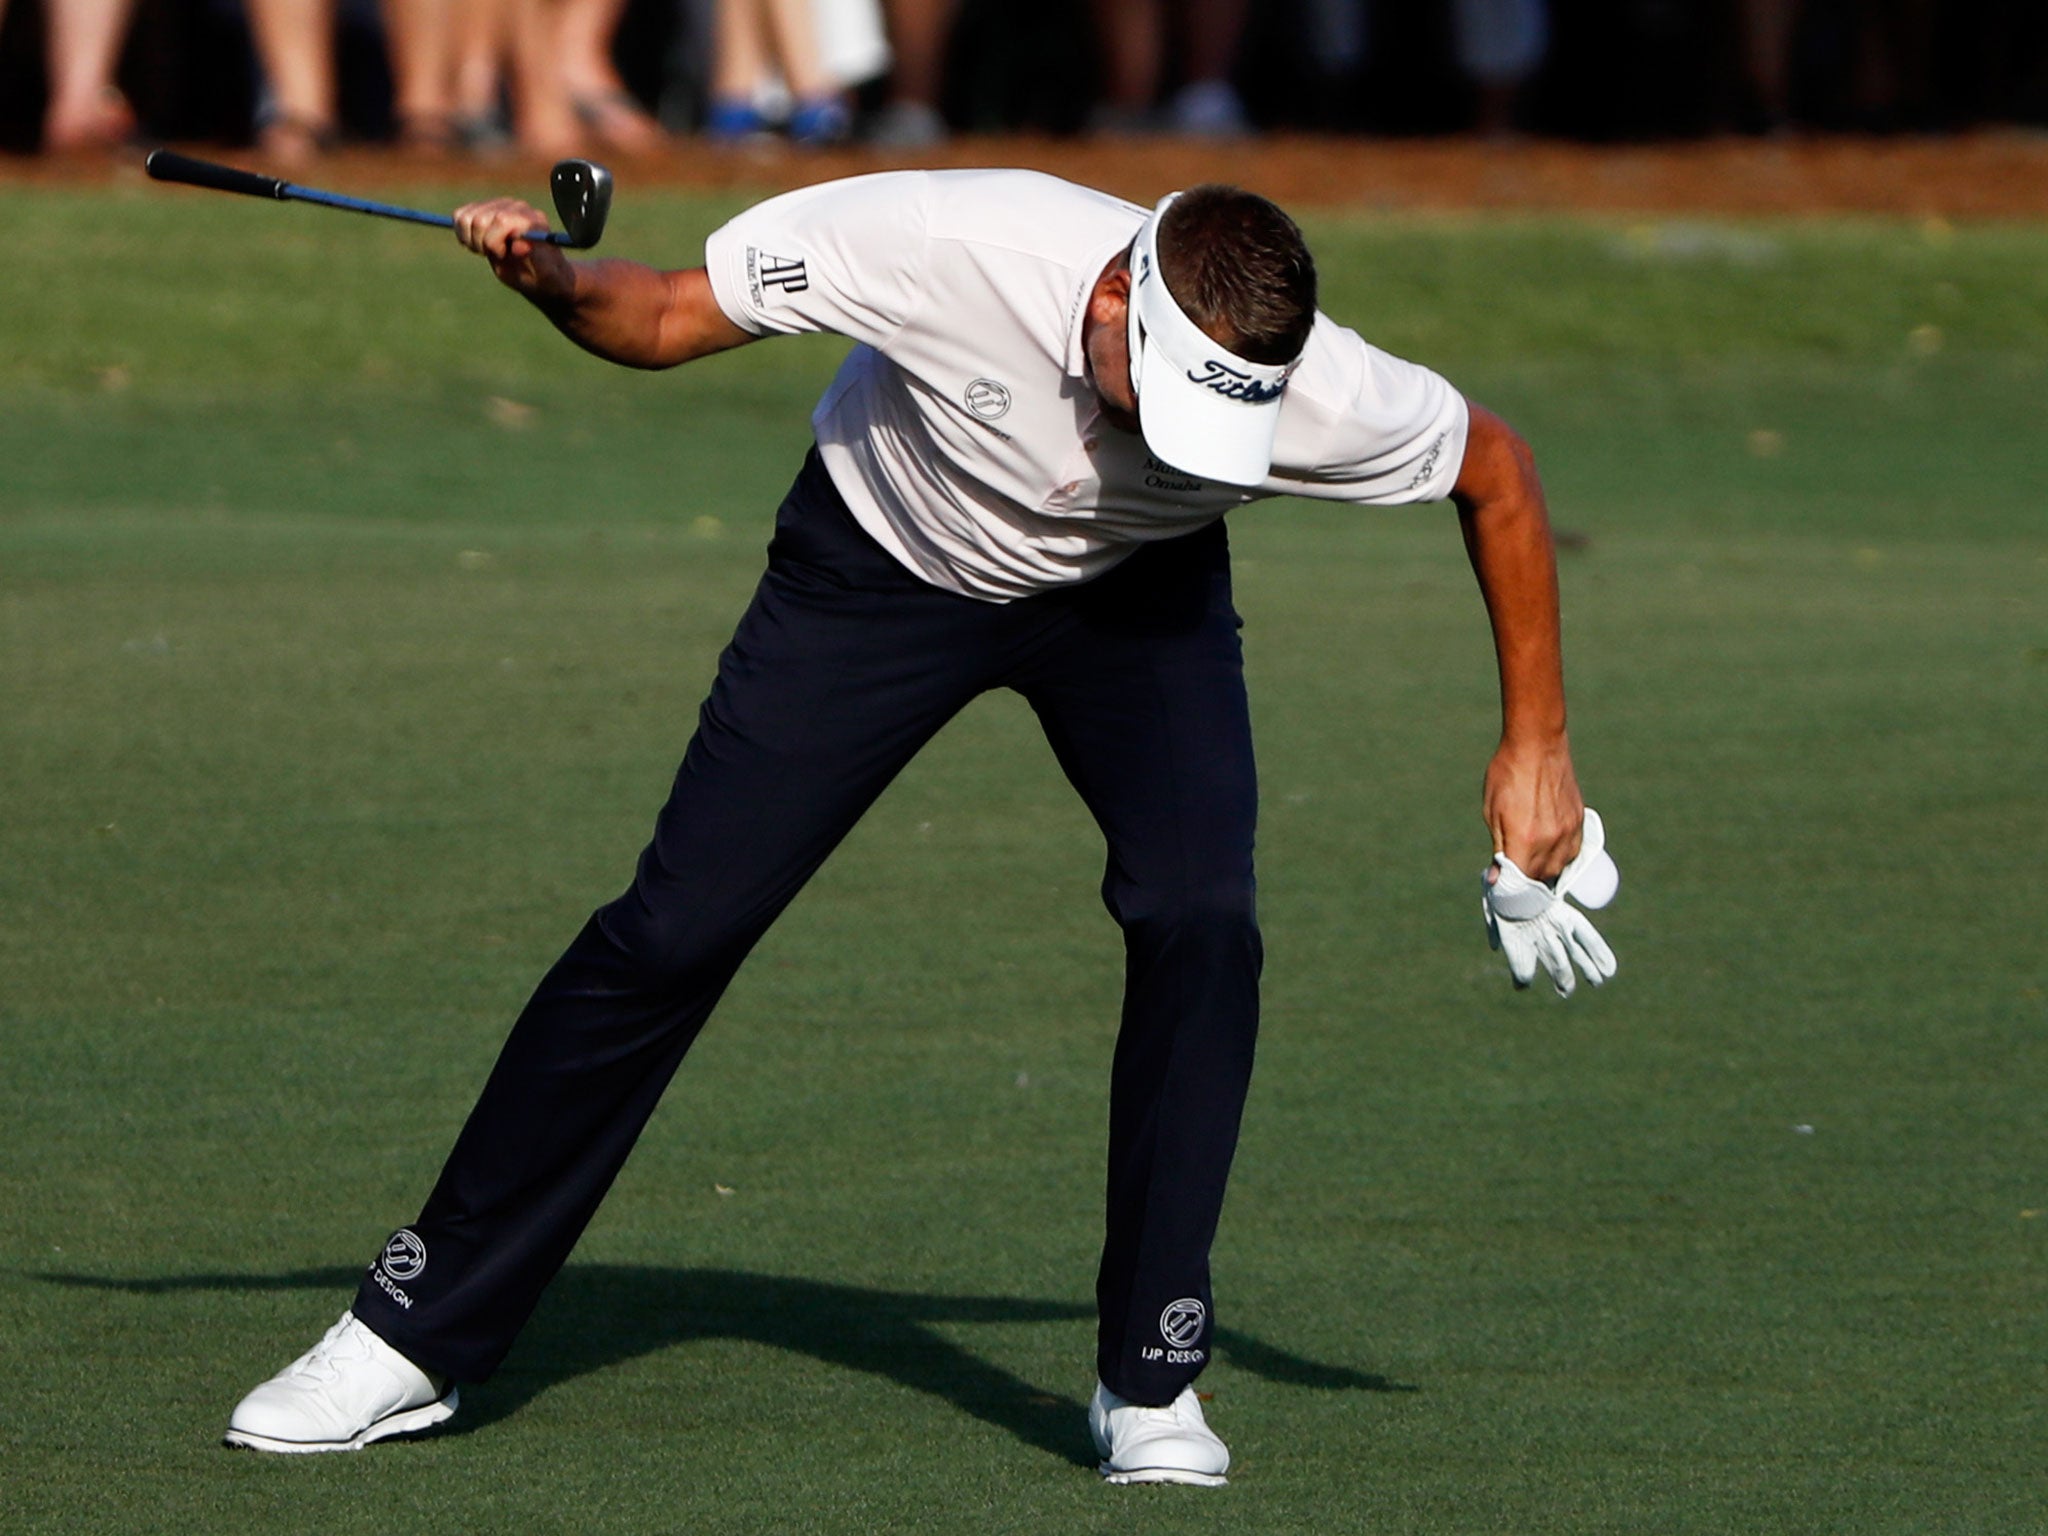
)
(1019, 481)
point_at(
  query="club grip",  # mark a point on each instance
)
(168, 165)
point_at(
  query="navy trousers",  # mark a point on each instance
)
(843, 666)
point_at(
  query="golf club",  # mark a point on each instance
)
(582, 190)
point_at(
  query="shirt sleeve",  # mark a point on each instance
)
(1366, 426)
(844, 256)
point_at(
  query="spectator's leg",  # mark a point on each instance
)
(1767, 27)
(295, 45)
(543, 119)
(480, 45)
(421, 38)
(1207, 104)
(918, 31)
(1500, 45)
(819, 114)
(739, 64)
(86, 109)
(1130, 34)
(600, 98)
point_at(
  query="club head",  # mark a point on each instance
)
(583, 197)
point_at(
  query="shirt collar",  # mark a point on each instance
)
(1077, 318)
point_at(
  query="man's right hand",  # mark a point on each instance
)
(622, 311)
(495, 230)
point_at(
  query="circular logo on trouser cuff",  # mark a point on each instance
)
(404, 1255)
(1180, 1324)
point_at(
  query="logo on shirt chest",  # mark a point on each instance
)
(988, 399)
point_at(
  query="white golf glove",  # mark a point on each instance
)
(1531, 923)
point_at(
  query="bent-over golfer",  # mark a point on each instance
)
(1019, 481)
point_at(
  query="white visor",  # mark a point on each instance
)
(1202, 408)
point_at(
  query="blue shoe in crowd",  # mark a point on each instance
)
(823, 120)
(732, 122)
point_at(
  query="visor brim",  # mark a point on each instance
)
(1201, 408)
(1201, 433)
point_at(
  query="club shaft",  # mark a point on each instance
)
(164, 165)
(296, 193)
(293, 192)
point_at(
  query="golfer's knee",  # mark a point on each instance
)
(1219, 910)
(653, 954)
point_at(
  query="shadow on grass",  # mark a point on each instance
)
(596, 1315)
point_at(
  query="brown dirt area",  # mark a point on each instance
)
(1991, 175)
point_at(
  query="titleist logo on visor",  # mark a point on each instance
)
(1233, 384)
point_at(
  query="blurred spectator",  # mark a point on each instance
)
(478, 74)
(791, 61)
(759, 47)
(1882, 60)
(1334, 35)
(1320, 60)
(479, 51)
(420, 36)
(1764, 38)
(1133, 35)
(295, 117)
(1420, 56)
(83, 108)
(509, 52)
(452, 62)
(1869, 64)
(918, 33)
(599, 98)
(1500, 45)
(543, 115)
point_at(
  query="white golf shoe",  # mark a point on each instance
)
(346, 1391)
(1173, 1444)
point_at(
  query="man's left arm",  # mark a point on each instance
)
(1532, 802)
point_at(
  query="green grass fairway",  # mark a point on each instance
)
(351, 625)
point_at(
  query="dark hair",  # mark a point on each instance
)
(1239, 269)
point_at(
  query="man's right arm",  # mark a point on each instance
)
(621, 311)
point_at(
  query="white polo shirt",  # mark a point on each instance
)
(963, 431)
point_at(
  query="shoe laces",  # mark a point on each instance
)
(1184, 1412)
(323, 1361)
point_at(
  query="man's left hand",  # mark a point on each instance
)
(1533, 806)
(1531, 922)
